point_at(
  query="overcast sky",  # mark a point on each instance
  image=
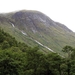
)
(62, 11)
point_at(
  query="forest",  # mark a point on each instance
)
(17, 58)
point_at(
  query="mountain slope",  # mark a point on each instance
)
(33, 27)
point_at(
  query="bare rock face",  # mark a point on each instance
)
(33, 20)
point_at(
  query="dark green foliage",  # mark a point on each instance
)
(68, 50)
(6, 39)
(20, 59)
(5, 45)
(1, 37)
(8, 64)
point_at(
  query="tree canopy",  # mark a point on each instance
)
(17, 58)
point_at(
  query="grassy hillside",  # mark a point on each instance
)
(27, 26)
(15, 32)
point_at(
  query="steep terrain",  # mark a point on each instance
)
(35, 28)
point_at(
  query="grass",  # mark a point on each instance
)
(54, 36)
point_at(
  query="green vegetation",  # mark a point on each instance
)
(38, 27)
(17, 58)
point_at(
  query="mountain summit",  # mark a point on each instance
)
(34, 28)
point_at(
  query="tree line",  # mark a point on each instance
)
(17, 58)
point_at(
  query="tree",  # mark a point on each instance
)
(5, 45)
(68, 50)
(54, 62)
(72, 67)
(6, 66)
(1, 37)
(73, 54)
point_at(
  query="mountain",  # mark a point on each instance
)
(36, 29)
